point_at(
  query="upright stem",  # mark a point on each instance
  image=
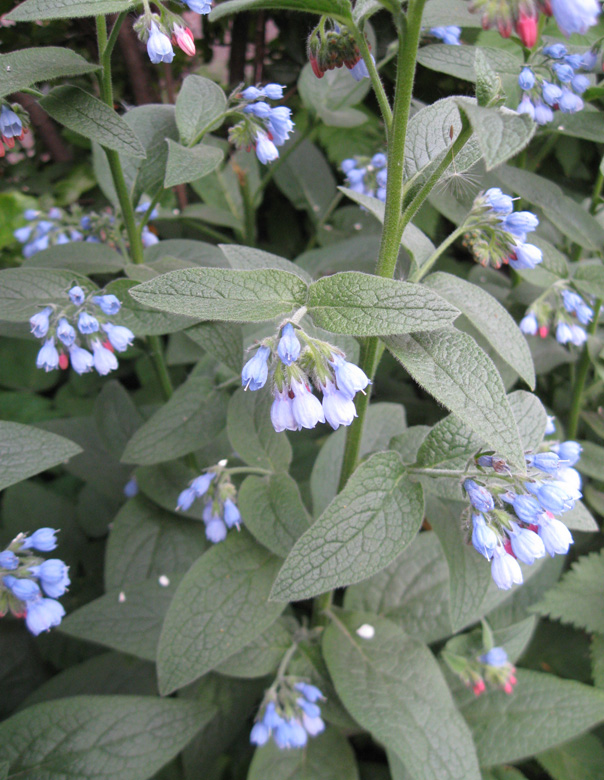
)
(119, 182)
(374, 76)
(581, 376)
(389, 247)
(423, 270)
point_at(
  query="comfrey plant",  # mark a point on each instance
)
(30, 585)
(554, 81)
(84, 318)
(294, 368)
(553, 487)
(314, 483)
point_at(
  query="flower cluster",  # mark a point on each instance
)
(522, 16)
(264, 127)
(497, 233)
(332, 47)
(220, 511)
(449, 34)
(12, 125)
(563, 87)
(367, 175)
(160, 32)
(477, 670)
(30, 585)
(90, 313)
(514, 518)
(289, 714)
(57, 227)
(292, 367)
(560, 309)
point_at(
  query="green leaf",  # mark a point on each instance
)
(144, 320)
(490, 318)
(24, 291)
(581, 759)
(272, 510)
(589, 279)
(419, 576)
(222, 340)
(488, 83)
(325, 757)
(587, 125)
(146, 542)
(565, 213)
(306, 179)
(543, 712)
(458, 61)
(364, 305)
(447, 12)
(117, 418)
(331, 98)
(531, 418)
(20, 69)
(262, 656)
(87, 115)
(501, 132)
(337, 9)
(592, 460)
(597, 659)
(579, 518)
(393, 686)
(90, 737)
(365, 527)
(78, 256)
(577, 598)
(453, 368)
(223, 294)
(128, 619)
(251, 433)
(189, 164)
(34, 10)
(25, 451)
(193, 416)
(248, 258)
(199, 103)
(217, 610)
(384, 420)
(449, 444)
(469, 573)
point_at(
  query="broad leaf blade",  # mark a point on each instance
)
(491, 319)
(199, 102)
(95, 737)
(219, 608)
(501, 132)
(34, 10)
(223, 294)
(185, 164)
(78, 110)
(393, 686)
(24, 291)
(365, 527)
(364, 305)
(337, 9)
(453, 368)
(25, 451)
(20, 69)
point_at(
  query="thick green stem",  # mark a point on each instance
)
(119, 182)
(581, 376)
(389, 247)
(249, 211)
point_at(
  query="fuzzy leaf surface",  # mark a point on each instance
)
(365, 527)
(199, 102)
(251, 433)
(189, 164)
(19, 69)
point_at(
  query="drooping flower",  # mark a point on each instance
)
(255, 371)
(289, 345)
(575, 16)
(505, 570)
(104, 360)
(159, 47)
(48, 357)
(40, 322)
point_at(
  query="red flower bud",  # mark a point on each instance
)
(526, 27)
(183, 38)
(505, 27)
(543, 331)
(319, 73)
(478, 687)
(63, 361)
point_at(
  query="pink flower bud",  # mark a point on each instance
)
(63, 361)
(526, 27)
(543, 331)
(183, 38)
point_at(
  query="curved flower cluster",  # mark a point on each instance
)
(90, 314)
(264, 127)
(562, 310)
(57, 227)
(367, 175)
(333, 47)
(514, 518)
(290, 714)
(12, 126)
(292, 367)
(490, 668)
(160, 32)
(30, 585)
(563, 87)
(522, 16)
(497, 233)
(220, 512)
(449, 35)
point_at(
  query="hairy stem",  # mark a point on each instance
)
(423, 270)
(376, 81)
